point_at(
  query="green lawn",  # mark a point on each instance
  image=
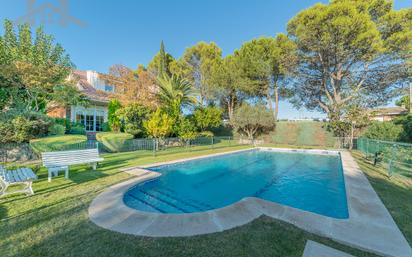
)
(395, 192)
(113, 141)
(55, 142)
(54, 222)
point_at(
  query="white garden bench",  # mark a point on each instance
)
(57, 161)
(24, 176)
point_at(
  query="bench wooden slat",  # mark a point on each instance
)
(29, 174)
(65, 158)
(12, 176)
(56, 161)
(70, 162)
(18, 174)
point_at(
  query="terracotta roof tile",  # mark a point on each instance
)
(389, 110)
(85, 87)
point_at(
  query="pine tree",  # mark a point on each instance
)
(162, 62)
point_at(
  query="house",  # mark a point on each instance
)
(97, 91)
(387, 113)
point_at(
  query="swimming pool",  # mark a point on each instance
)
(308, 181)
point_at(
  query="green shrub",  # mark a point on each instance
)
(113, 118)
(106, 127)
(24, 127)
(209, 117)
(57, 130)
(64, 122)
(186, 130)
(222, 130)
(77, 129)
(132, 117)
(406, 122)
(159, 125)
(253, 120)
(387, 131)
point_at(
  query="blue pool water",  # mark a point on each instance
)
(311, 182)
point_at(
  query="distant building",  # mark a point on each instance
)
(388, 113)
(303, 119)
(98, 93)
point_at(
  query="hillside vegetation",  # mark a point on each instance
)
(302, 133)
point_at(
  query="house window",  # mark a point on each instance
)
(89, 122)
(80, 118)
(99, 123)
(108, 88)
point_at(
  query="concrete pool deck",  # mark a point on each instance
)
(369, 227)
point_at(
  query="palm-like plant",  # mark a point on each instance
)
(175, 93)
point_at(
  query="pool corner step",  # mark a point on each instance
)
(139, 172)
(313, 249)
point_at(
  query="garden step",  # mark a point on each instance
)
(91, 135)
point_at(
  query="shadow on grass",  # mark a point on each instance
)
(394, 191)
(262, 237)
(3, 212)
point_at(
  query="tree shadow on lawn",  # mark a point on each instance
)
(89, 193)
(395, 192)
(262, 237)
(3, 211)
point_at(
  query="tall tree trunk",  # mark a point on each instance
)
(276, 102)
(230, 111)
(269, 99)
(352, 132)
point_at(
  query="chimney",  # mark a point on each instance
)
(92, 78)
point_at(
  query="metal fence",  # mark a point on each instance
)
(33, 151)
(396, 157)
(161, 144)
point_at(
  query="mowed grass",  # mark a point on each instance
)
(54, 222)
(55, 142)
(113, 141)
(394, 191)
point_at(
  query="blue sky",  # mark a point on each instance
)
(129, 31)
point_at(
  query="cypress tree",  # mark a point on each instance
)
(162, 61)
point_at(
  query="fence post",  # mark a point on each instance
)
(97, 145)
(394, 146)
(367, 148)
(212, 141)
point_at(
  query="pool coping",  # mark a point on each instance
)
(370, 226)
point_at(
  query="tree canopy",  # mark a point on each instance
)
(265, 62)
(161, 63)
(34, 70)
(349, 50)
(132, 86)
(252, 120)
(207, 117)
(159, 125)
(228, 84)
(196, 66)
(175, 93)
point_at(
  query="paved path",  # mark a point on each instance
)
(313, 249)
